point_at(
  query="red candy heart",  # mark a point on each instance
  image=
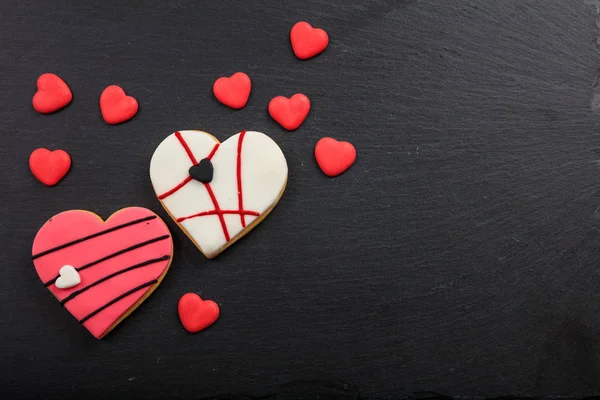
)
(233, 91)
(307, 41)
(290, 113)
(52, 95)
(334, 157)
(116, 106)
(197, 314)
(49, 167)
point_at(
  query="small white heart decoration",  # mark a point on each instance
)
(68, 278)
(246, 177)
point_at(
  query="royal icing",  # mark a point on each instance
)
(120, 261)
(249, 176)
(196, 314)
(68, 277)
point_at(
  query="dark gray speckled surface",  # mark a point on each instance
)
(460, 254)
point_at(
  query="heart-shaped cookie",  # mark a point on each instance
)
(233, 91)
(120, 262)
(196, 314)
(116, 106)
(52, 94)
(249, 174)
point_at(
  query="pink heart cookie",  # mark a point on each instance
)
(217, 192)
(120, 262)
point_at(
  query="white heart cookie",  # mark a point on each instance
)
(67, 277)
(249, 174)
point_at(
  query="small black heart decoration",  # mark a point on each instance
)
(203, 172)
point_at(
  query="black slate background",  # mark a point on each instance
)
(459, 254)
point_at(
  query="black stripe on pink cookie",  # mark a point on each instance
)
(116, 299)
(115, 254)
(83, 239)
(124, 270)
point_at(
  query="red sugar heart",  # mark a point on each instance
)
(334, 157)
(49, 167)
(197, 314)
(52, 94)
(116, 106)
(307, 41)
(290, 113)
(233, 91)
